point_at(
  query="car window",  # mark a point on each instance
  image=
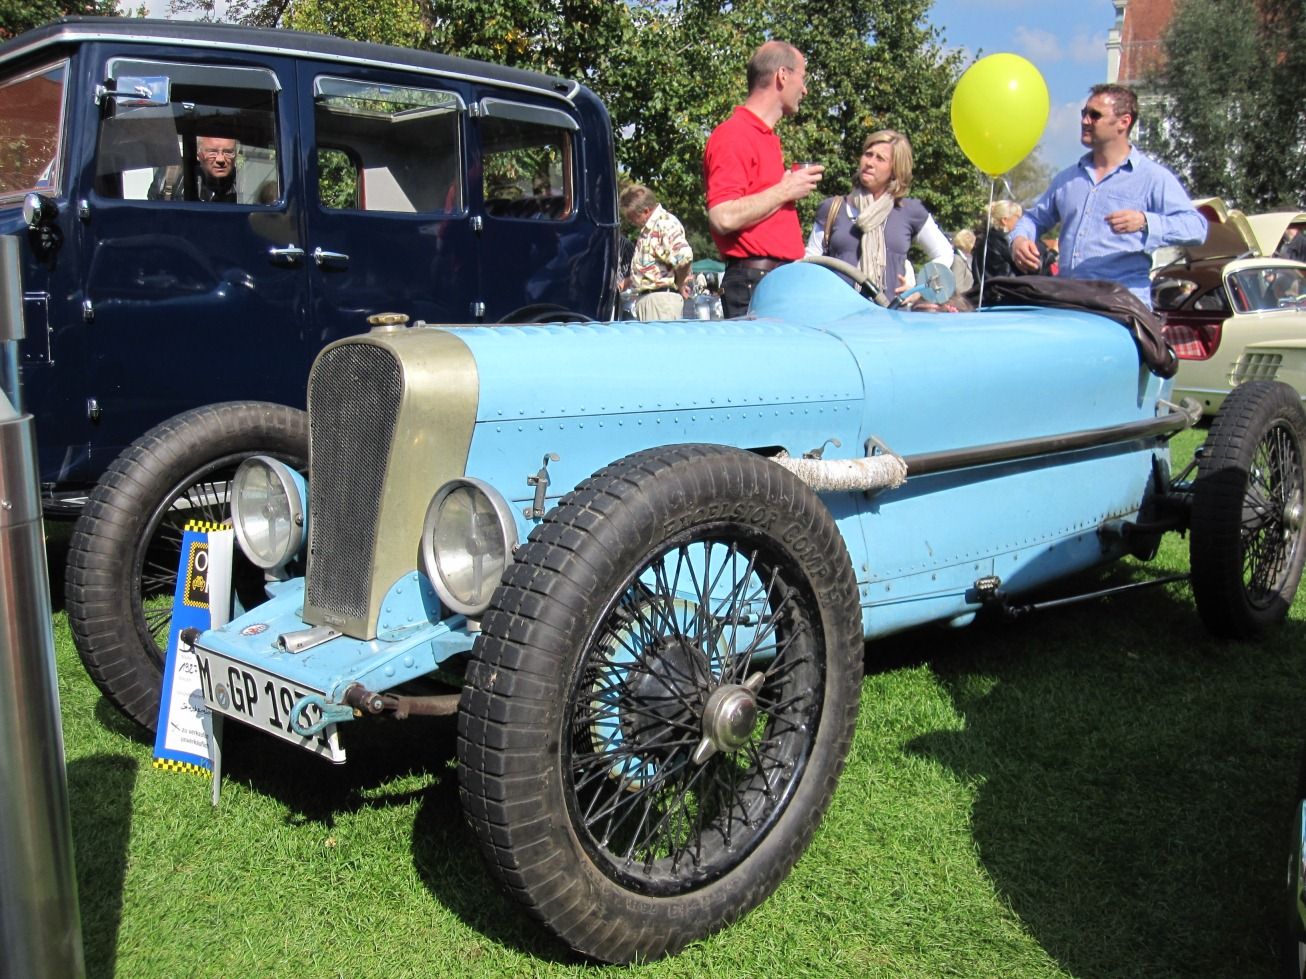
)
(1169, 292)
(1213, 301)
(31, 127)
(526, 162)
(387, 147)
(1288, 287)
(195, 133)
(1273, 287)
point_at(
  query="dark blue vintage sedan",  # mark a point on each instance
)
(201, 208)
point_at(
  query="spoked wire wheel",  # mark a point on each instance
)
(1248, 507)
(692, 719)
(204, 496)
(124, 554)
(662, 699)
(1272, 516)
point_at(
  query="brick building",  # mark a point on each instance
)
(1133, 49)
(1133, 44)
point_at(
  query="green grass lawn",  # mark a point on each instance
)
(1097, 791)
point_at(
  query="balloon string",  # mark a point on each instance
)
(984, 257)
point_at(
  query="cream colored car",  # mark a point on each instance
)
(1233, 312)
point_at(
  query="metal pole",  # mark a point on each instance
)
(40, 933)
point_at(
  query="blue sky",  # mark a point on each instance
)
(1066, 41)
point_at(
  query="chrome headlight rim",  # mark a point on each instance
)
(292, 487)
(506, 526)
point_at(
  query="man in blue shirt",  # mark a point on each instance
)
(1115, 205)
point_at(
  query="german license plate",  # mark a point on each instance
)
(263, 700)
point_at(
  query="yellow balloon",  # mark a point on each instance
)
(999, 109)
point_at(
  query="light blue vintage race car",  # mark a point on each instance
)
(640, 560)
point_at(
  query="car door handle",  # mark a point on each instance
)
(329, 258)
(291, 254)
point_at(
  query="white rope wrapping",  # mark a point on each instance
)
(842, 475)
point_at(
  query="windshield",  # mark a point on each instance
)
(1261, 289)
(31, 126)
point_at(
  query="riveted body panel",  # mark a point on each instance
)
(816, 369)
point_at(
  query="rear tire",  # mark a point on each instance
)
(123, 556)
(1247, 519)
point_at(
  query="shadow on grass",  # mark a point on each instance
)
(1132, 778)
(100, 800)
(449, 862)
(58, 535)
(381, 753)
(112, 719)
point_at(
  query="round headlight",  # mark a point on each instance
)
(267, 507)
(467, 541)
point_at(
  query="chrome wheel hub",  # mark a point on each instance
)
(729, 718)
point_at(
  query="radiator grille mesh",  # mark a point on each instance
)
(353, 404)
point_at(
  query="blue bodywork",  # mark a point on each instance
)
(818, 367)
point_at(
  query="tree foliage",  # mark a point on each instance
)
(17, 16)
(872, 64)
(398, 22)
(1234, 89)
(670, 70)
(1028, 179)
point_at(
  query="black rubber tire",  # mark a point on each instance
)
(588, 685)
(127, 542)
(1246, 546)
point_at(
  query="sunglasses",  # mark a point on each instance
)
(1093, 114)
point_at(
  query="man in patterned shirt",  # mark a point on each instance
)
(660, 267)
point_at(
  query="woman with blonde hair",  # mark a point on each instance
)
(1002, 218)
(874, 224)
(963, 268)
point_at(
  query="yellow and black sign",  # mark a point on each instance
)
(197, 575)
(196, 594)
(186, 767)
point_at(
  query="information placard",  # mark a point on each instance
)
(202, 601)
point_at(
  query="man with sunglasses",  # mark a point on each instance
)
(1115, 206)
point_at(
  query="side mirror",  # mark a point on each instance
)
(134, 91)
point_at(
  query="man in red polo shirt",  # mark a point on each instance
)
(750, 194)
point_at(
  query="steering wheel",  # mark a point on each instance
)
(543, 313)
(861, 282)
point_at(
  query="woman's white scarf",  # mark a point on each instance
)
(871, 217)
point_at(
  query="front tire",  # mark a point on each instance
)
(662, 699)
(124, 552)
(1247, 519)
